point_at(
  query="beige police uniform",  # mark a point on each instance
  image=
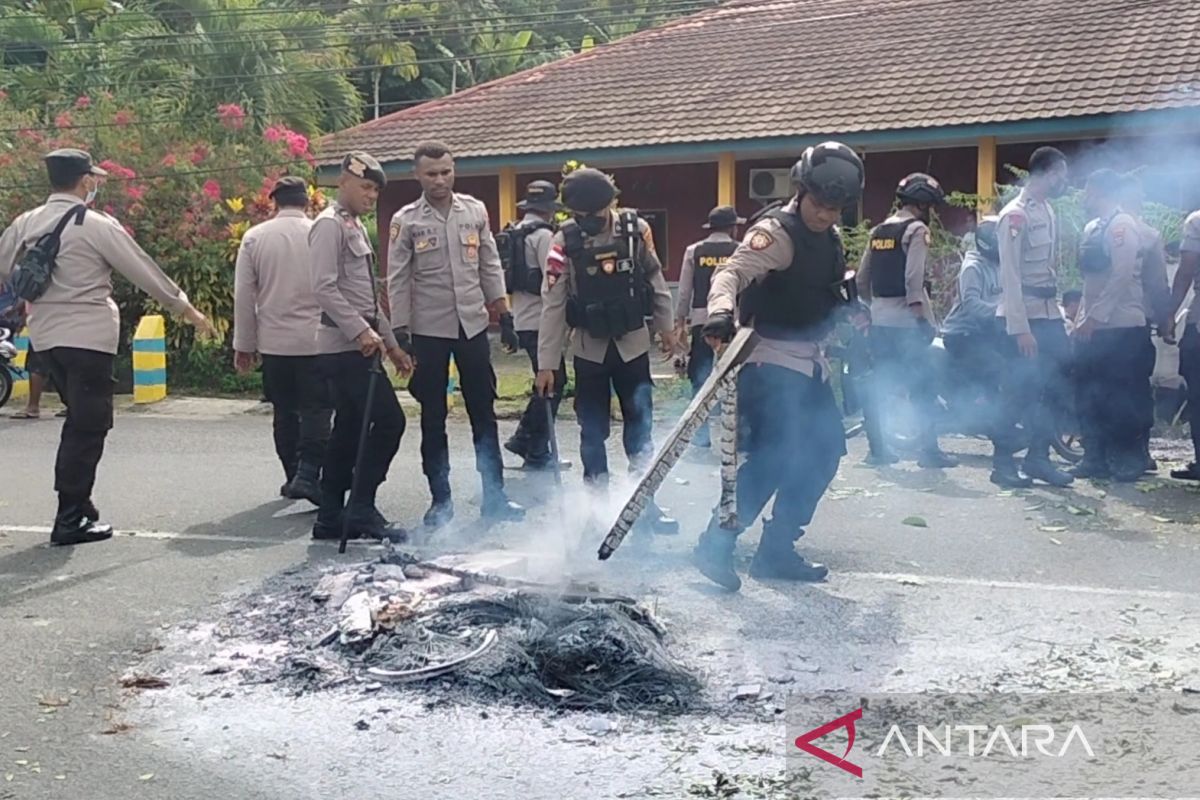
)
(896, 312)
(443, 272)
(276, 315)
(1114, 298)
(1028, 237)
(683, 308)
(527, 307)
(75, 325)
(342, 266)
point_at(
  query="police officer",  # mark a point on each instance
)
(970, 331)
(444, 276)
(1037, 346)
(603, 280)
(276, 316)
(352, 337)
(1113, 388)
(1152, 265)
(793, 268)
(524, 249)
(1189, 344)
(75, 324)
(700, 260)
(892, 278)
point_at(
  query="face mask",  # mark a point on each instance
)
(91, 195)
(592, 226)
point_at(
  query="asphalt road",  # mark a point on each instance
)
(1089, 588)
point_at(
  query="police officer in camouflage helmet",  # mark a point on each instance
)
(791, 267)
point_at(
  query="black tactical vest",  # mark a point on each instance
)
(612, 294)
(707, 258)
(1094, 258)
(798, 303)
(888, 259)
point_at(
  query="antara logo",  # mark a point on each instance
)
(972, 741)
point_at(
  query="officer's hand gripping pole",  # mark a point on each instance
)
(375, 371)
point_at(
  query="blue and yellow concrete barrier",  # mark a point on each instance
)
(150, 360)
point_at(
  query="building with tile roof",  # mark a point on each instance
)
(710, 108)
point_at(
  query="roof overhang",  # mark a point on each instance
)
(1161, 122)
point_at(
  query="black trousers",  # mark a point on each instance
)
(428, 385)
(85, 381)
(1113, 397)
(303, 409)
(795, 443)
(594, 386)
(976, 374)
(901, 364)
(348, 375)
(1035, 390)
(1189, 368)
(532, 431)
(700, 359)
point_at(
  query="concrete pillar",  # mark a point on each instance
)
(985, 180)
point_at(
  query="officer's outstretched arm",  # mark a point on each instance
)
(10, 242)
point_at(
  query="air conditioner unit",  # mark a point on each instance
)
(770, 184)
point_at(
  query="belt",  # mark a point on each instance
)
(371, 320)
(1040, 292)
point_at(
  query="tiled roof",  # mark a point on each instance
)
(756, 68)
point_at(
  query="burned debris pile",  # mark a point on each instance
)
(450, 626)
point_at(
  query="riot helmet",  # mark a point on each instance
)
(832, 173)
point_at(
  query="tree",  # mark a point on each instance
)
(378, 35)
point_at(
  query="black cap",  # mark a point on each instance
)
(587, 191)
(364, 165)
(723, 217)
(68, 164)
(290, 190)
(540, 196)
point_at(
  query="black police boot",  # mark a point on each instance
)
(305, 485)
(1189, 473)
(90, 511)
(935, 458)
(881, 458)
(328, 524)
(1128, 467)
(777, 559)
(1149, 465)
(517, 444)
(367, 523)
(1093, 465)
(659, 523)
(713, 556)
(1040, 468)
(1005, 475)
(496, 507)
(440, 512)
(72, 526)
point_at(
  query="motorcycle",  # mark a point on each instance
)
(961, 408)
(9, 373)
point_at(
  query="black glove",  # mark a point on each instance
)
(508, 334)
(719, 326)
(403, 340)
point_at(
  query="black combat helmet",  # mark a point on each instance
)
(920, 189)
(587, 191)
(986, 241)
(832, 173)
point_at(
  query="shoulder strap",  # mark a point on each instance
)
(572, 238)
(79, 212)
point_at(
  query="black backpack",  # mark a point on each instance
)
(519, 275)
(31, 277)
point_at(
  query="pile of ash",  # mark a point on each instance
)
(378, 622)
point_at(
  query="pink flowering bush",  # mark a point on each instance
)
(187, 194)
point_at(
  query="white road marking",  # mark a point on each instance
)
(884, 577)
